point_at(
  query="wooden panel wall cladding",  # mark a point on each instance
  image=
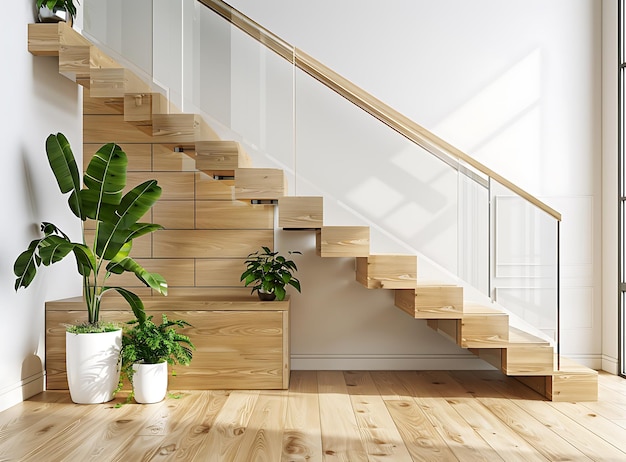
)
(240, 344)
(207, 232)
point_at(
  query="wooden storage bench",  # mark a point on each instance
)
(241, 343)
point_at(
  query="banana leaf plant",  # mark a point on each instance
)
(116, 219)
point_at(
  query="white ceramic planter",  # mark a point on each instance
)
(149, 382)
(93, 369)
(56, 15)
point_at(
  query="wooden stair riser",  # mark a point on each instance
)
(387, 271)
(431, 302)
(520, 360)
(343, 241)
(300, 212)
(565, 386)
(74, 63)
(221, 158)
(484, 331)
(44, 39)
(79, 62)
(473, 330)
(260, 184)
(574, 386)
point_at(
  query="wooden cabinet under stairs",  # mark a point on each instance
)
(211, 227)
(240, 343)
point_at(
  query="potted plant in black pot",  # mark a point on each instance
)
(56, 10)
(92, 348)
(147, 349)
(269, 273)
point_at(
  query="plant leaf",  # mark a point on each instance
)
(25, 266)
(65, 170)
(85, 259)
(133, 300)
(295, 283)
(137, 202)
(53, 249)
(105, 179)
(280, 292)
(152, 280)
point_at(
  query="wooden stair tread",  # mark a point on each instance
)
(260, 183)
(518, 336)
(45, 39)
(343, 241)
(301, 212)
(221, 158)
(569, 366)
(471, 309)
(387, 271)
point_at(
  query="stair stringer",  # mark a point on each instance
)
(483, 330)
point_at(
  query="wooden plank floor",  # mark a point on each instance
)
(328, 416)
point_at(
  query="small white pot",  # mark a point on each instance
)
(93, 366)
(149, 382)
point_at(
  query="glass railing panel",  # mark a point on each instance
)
(372, 175)
(474, 230)
(123, 27)
(243, 89)
(525, 247)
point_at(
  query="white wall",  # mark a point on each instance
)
(37, 101)
(515, 84)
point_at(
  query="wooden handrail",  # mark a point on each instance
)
(372, 105)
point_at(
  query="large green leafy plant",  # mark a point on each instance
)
(117, 223)
(269, 272)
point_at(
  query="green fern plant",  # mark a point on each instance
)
(144, 341)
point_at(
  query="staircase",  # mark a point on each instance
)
(483, 330)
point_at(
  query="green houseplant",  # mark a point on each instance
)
(269, 273)
(147, 349)
(116, 216)
(54, 7)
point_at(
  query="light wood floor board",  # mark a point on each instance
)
(229, 427)
(262, 440)
(302, 436)
(328, 416)
(380, 436)
(341, 439)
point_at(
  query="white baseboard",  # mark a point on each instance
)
(610, 364)
(12, 395)
(399, 362)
